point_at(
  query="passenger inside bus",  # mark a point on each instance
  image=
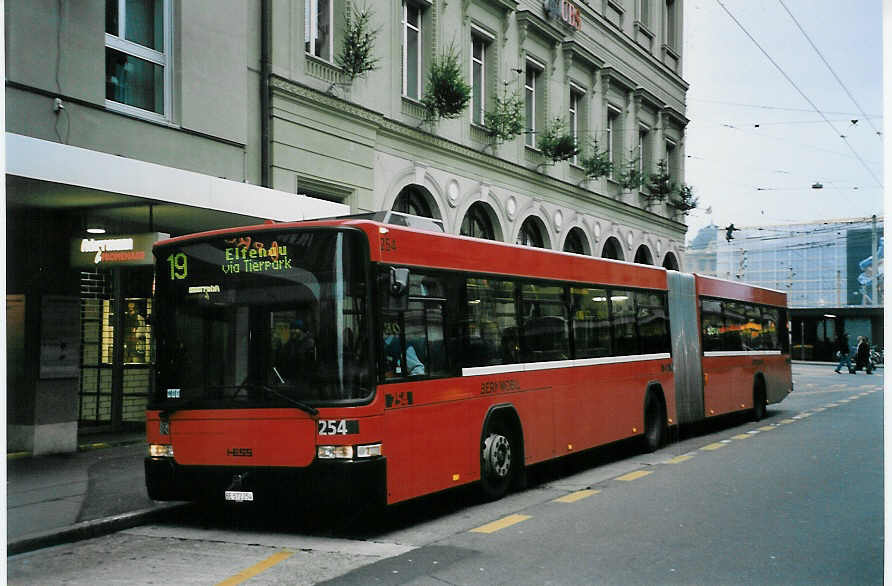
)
(393, 359)
(297, 356)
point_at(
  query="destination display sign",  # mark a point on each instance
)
(226, 257)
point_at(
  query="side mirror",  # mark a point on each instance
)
(398, 289)
(399, 281)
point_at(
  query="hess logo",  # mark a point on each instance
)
(240, 452)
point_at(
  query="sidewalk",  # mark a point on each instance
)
(66, 497)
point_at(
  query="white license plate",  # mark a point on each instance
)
(238, 496)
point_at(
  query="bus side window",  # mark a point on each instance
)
(752, 331)
(653, 322)
(546, 336)
(413, 340)
(770, 338)
(713, 324)
(591, 322)
(622, 320)
(491, 335)
(735, 323)
(424, 334)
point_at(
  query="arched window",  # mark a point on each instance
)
(477, 222)
(414, 200)
(643, 256)
(613, 249)
(576, 242)
(531, 233)
(670, 262)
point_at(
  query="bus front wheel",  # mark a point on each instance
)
(497, 459)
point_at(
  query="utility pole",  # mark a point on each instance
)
(874, 263)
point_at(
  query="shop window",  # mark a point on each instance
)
(137, 335)
(137, 57)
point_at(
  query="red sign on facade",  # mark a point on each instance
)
(565, 11)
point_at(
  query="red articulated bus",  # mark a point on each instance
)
(307, 358)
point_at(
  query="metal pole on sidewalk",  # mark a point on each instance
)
(874, 262)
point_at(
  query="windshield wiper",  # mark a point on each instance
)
(299, 404)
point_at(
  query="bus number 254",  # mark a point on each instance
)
(338, 427)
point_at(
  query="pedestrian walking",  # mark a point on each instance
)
(842, 352)
(862, 355)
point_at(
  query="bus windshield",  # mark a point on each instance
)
(262, 319)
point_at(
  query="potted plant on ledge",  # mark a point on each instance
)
(596, 163)
(356, 57)
(505, 120)
(556, 143)
(446, 94)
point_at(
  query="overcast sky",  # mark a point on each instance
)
(756, 175)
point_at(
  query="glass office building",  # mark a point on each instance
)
(825, 267)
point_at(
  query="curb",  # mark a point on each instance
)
(85, 447)
(89, 529)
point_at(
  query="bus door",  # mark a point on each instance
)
(686, 350)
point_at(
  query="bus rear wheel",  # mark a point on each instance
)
(654, 423)
(760, 403)
(497, 460)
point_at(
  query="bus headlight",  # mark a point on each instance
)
(160, 451)
(369, 451)
(334, 452)
(347, 452)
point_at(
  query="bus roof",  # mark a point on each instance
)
(715, 287)
(406, 246)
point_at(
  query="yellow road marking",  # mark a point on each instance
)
(257, 568)
(712, 447)
(680, 459)
(501, 524)
(742, 436)
(576, 496)
(766, 428)
(788, 421)
(634, 475)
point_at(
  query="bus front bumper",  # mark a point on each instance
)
(339, 482)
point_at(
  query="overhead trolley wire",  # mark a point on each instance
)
(801, 93)
(841, 84)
